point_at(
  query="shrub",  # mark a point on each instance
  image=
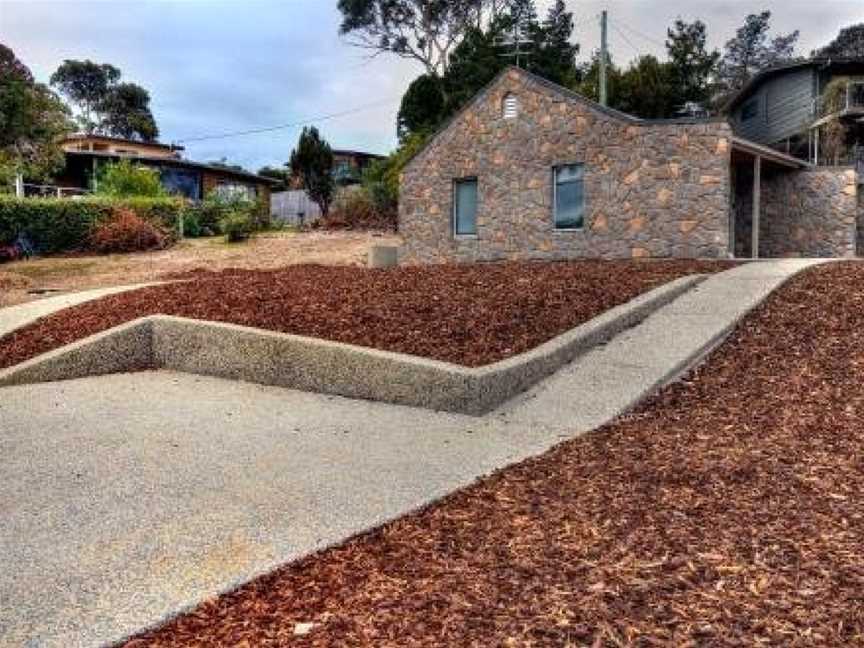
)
(358, 208)
(126, 231)
(126, 180)
(233, 215)
(55, 225)
(237, 226)
(191, 222)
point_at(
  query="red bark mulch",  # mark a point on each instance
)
(727, 511)
(467, 314)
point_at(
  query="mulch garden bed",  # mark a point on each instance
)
(467, 314)
(727, 511)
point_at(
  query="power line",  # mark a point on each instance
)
(626, 40)
(650, 39)
(304, 122)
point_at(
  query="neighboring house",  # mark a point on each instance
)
(348, 166)
(531, 170)
(85, 154)
(789, 107)
(294, 206)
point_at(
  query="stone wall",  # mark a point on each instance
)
(809, 213)
(651, 190)
(860, 247)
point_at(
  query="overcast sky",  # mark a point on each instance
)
(214, 67)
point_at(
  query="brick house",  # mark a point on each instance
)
(529, 169)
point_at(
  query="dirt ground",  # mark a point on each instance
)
(467, 314)
(726, 511)
(24, 281)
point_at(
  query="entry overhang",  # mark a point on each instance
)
(768, 154)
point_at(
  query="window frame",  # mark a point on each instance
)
(581, 180)
(454, 221)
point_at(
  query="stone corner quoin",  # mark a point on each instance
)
(651, 189)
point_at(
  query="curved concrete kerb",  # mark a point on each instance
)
(15, 317)
(279, 359)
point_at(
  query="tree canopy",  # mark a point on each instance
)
(750, 51)
(482, 53)
(848, 44)
(105, 105)
(32, 118)
(425, 31)
(312, 163)
(126, 111)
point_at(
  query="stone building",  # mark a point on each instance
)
(529, 169)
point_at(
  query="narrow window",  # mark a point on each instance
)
(750, 109)
(569, 197)
(465, 206)
(510, 106)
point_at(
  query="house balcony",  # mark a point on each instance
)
(836, 136)
(849, 106)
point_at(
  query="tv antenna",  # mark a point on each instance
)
(516, 44)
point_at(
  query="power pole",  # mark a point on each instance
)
(604, 49)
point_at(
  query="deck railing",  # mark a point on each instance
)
(851, 101)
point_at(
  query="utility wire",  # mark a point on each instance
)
(304, 122)
(626, 40)
(650, 39)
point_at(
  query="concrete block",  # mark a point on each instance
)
(383, 256)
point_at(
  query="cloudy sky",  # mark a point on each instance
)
(223, 66)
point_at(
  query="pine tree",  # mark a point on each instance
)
(690, 61)
(555, 58)
(312, 163)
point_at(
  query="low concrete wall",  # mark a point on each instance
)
(128, 347)
(279, 359)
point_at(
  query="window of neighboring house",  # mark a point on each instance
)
(510, 106)
(465, 207)
(343, 171)
(230, 190)
(750, 109)
(182, 182)
(569, 199)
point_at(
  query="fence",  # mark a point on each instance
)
(50, 191)
(293, 208)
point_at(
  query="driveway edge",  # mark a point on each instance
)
(309, 364)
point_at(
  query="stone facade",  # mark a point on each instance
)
(860, 248)
(809, 213)
(651, 190)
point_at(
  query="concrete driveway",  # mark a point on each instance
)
(128, 497)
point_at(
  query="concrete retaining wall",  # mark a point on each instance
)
(279, 359)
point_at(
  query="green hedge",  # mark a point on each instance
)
(61, 225)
